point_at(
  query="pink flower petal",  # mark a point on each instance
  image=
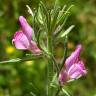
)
(63, 77)
(73, 58)
(20, 40)
(34, 48)
(26, 28)
(77, 70)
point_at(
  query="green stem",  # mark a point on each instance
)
(59, 89)
(50, 65)
(56, 65)
(65, 53)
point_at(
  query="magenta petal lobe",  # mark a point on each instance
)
(20, 40)
(74, 57)
(34, 48)
(26, 28)
(63, 77)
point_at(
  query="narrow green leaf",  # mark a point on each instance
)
(60, 27)
(63, 16)
(30, 11)
(54, 19)
(22, 59)
(39, 16)
(41, 43)
(34, 87)
(65, 92)
(31, 93)
(45, 11)
(67, 31)
(11, 61)
(53, 82)
(61, 11)
(54, 77)
(61, 34)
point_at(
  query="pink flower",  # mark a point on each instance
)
(23, 38)
(74, 67)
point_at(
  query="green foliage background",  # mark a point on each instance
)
(16, 78)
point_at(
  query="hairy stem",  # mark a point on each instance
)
(50, 65)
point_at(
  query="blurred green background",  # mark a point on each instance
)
(17, 79)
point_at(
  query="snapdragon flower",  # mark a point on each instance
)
(23, 39)
(74, 67)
